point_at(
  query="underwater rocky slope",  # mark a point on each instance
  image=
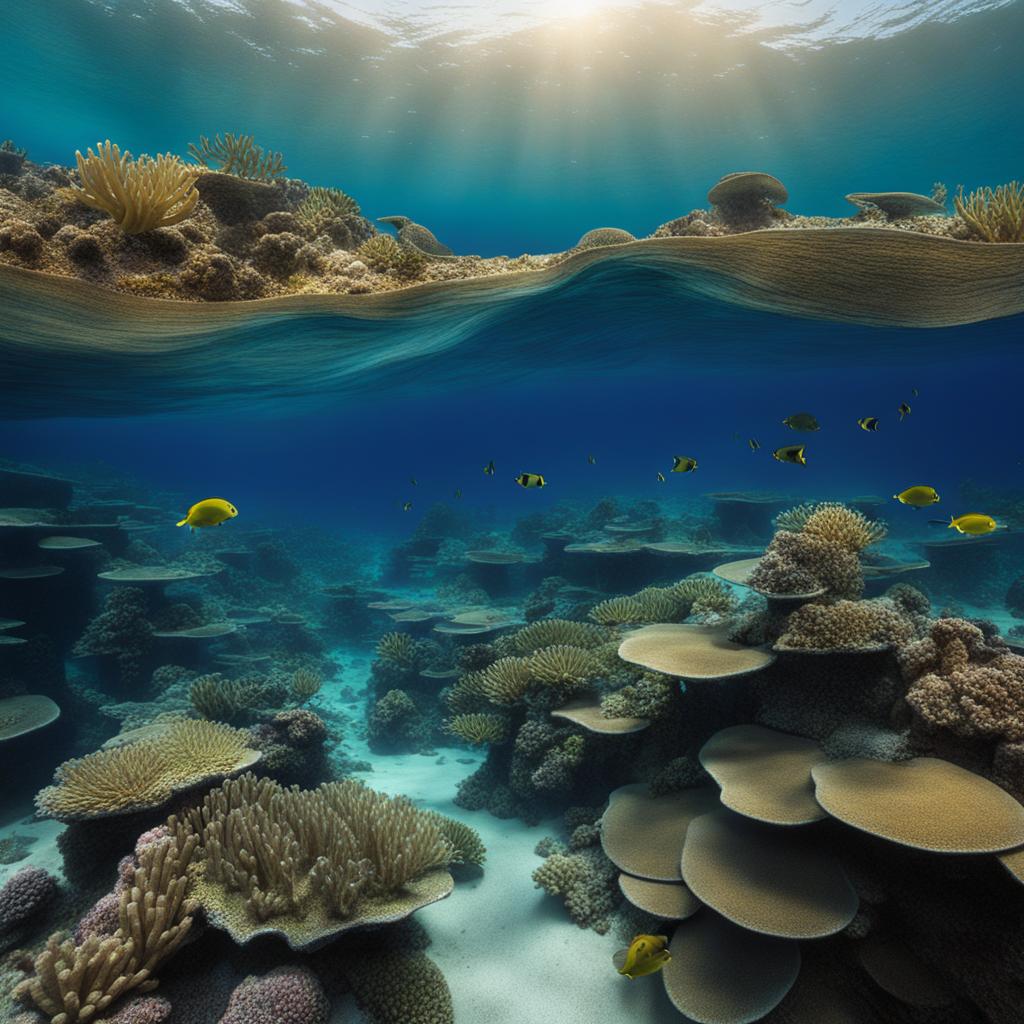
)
(282, 288)
(768, 730)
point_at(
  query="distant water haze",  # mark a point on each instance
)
(517, 126)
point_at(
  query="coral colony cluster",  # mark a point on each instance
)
(226, 223)
(815, 793)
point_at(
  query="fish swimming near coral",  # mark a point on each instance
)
(489, 468)
(803, 421)
(793, 453)
(919, 496)
(974, 524)
(531, 480)
(208, 512)
(904, 410)
(683, 464)
(869, 423)
(646, 955)
(661, 477)
(754, 444)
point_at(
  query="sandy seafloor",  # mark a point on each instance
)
(509, 951)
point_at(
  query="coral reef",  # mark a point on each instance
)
(846, 625)
(284, 995)
(587, 882)
(238, 155)
(993, 214)
(25, 894)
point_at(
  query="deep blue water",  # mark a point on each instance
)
(522, 143)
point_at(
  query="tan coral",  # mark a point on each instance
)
(845, 626)
(478, 728)
(694, 652)
(667, 901)
(25, 714)
(549, 632)
(564, 666)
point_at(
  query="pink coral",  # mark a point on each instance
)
(26, 893)
(140, 1010)
(286, 995)
(965, 682)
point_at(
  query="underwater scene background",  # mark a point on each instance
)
(485, 613)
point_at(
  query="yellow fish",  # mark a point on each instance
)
(868, 423)
(531, 480)
(793, 453)
(683, 464)
(646, 955)
(973, 523)
(754, 444)
(801, 421)
(904, 410)
(661, 477)
(209, 512)
(489, 468)
(919, 496)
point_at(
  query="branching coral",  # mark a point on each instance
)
(965, 683)
(478, 728)
(305, 684)
(649, 698)
(224, 700)
(399, 648)
(563, 665)
(323, 205)
(506, 681)
(146, 773)
(837, 524)
(993, 215)
(467, 846)
(795, 563)
(618, 611)
(697, 595)
(846, 625)
(551, 632)
(700, 595)
(238, 155)
(139, 195)
(310, 858)
(586, 882)
(77, 983)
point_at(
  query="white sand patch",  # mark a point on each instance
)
(43, 853)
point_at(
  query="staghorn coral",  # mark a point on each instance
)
(312, 862)
(552, 632)
(146, 773)
(398, 648)
(965, 683)
(993, 215)
(478, 728)
(284, 995)
(238, 155)
(564, 666)
(846, 625)
(76, 982)
(139, 195)
(587, 882)
(465, 842)
(305, 684)
(617, 611)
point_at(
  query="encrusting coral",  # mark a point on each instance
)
(311, 863)
(139, 195)
(78, 982)
(146, 773)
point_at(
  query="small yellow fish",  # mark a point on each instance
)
(683, 464)
(904, 410)
(973, 523)
(531, 480)
(407, 507)
(489, 468)
(754, 444)
(209, 512)
(801, 421)
(661, 477)
(919, 496)
(868, 423)
(793, 453)
(592, 460)
(646, 955)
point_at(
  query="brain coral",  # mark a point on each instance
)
(285, 995)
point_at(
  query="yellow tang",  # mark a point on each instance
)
(919, 496)
(646, 955)
(973, 523)
(531, 480)
(683, 464)
(209, 512)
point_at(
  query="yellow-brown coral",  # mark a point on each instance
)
(846, 625)
(563, 665)
(399, 648)
(618, 611)
(305, 684)
(549, 632)
(139, 195)
(146, 773)
(477, 729)
(994, 215)
(837, 524)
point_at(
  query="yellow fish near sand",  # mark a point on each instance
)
(973, 523)
(919, 496)
(646, 955)
(209, 512)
